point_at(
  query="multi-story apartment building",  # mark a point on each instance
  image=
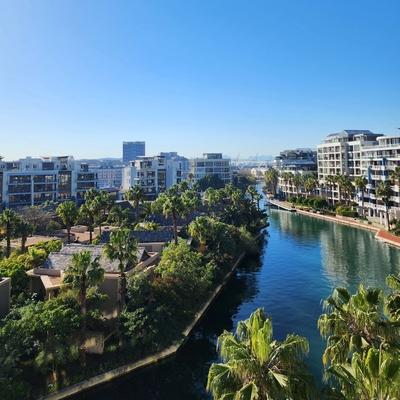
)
(298, 162)
(155, 174)
(33, 181)
(132, 150)
(211, 164)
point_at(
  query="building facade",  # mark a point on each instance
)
(211, 164)
(33, 181)
(155, 174)
(132, 150)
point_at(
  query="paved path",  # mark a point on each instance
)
(381, 234)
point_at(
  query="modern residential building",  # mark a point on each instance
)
(132, 150)
(155, 174)
(211, 164)
(298, 162)
(33, 181)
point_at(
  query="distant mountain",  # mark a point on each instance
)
(254, 158)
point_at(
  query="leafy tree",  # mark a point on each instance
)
(210, 181)
(68, 212)
(38, 216)
(257, 367)
(180, 262)
(122, 247)
(15, 270)
(82, 273)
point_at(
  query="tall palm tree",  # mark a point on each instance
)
(68, 212)
(83, 273)
(296, 180)
(23, 230)
(122, 247)
(385, 192)
(271, 177)
(361, 183)
(347, 187)
(310, 185)
(201, 228)
(173, 206)
(330, 182)
(257, 367)
(89, 211)
(9, 220)
(138, 195)
(211, 199)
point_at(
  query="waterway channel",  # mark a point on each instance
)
(302, 260)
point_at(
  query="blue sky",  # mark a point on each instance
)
(250, 77)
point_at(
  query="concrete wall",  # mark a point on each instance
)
(5, 293)
(94, 342)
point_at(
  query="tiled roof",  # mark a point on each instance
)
(158, 236)
(62, 260)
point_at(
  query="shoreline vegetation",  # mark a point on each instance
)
(158, 309)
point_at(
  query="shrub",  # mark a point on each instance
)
(346, 212)
(320, 203)
(53, 226)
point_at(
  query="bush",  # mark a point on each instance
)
(320, 203)
(53, 226)
(346, 212)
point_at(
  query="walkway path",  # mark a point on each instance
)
(381, 234)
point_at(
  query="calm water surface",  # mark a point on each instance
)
(303, 259)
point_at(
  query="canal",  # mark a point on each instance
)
(302, 260)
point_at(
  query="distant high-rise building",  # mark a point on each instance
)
(132, 150)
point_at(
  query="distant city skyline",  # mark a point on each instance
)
(79, 78)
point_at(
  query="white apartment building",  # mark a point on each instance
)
(33, 181)
(155, 174)
(362, 153)
(211, 164)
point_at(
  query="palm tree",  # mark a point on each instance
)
(138, 195)
(83, 273)
(92, 193)
(146, 209)
(190, 178)
(122, 247)
(385, 192)
(347, 187)
(257, 367)
(173, 206)
(353, 324)
(271, 177)
(296, 181)
(190, 202)
(23, 230)
(310, 185)
(89, 210)
(9, 220)
(361, 183)
(337, 180)
(210, 199)
(118, 216)
(395, 176)
(252, 192)
(330, 182)
(200, 228)
(221, 241)
(68, 213)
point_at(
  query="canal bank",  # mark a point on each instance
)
(153, 359)
(381, 234)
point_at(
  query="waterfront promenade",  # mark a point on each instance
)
(381, 233)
